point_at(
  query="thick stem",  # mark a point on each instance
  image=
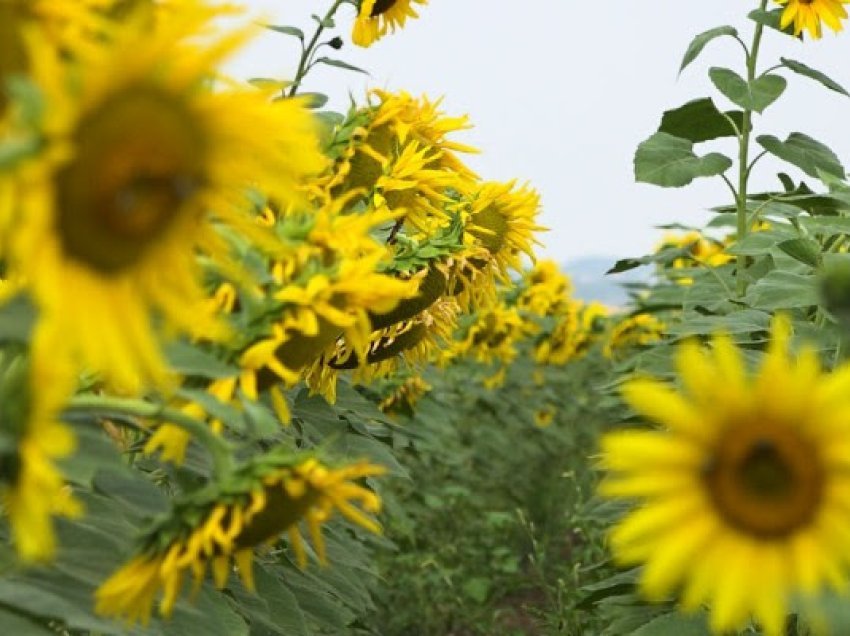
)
(105, 406)
(307, 51)
(744, 158)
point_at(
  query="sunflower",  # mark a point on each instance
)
(376, 17)
(808, 15)
(269, 497)
(635, 331)
(32, 490)
(173, 161)
(502, 224)
(743, 490)
(399, 157)
(545, 290)
(63, 23)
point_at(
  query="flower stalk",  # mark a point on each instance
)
(219, 449)
(307, 52)
(743, 158)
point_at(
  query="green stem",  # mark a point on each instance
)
(106, 406)
(307, 51)
(743, 158)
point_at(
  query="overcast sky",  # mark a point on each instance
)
(562, 91)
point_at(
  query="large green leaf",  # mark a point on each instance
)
(699, 42)
(675, 625)
(804, 250)
(808, 71)
(700, 120)
(670, 161)
(756, 95)
(16, 624)
(806, 153)
(772, 19)
(783, 290)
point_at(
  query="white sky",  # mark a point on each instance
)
(562, 91)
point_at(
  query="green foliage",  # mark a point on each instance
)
(497, 529)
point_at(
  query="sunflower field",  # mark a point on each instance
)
(268, 369)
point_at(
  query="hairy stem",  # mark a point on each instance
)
(304, 65)
(743, 158)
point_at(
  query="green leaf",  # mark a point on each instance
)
(287, 30)
(808, 71)
(340, 64)
(267, 83)
(700, 120)
(783, 290)
(133, 490)
(675, 625)
(212, 616)
(804, 250)
(17, 317)
(13, 151)
(670, 161)
(191, 360)
(739, 322)
(699, 42)
(314, 100)
(19, 625)
(772, 19)
(807, 154)
(326, 23)
(478, 589)
(756, 95)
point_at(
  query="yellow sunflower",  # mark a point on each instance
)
(546, 290)
(272, 497)
(173, 161)
(63, 23)
(400, 158)
(809, 14)
(376, 17)
(32, 489)
(502, 221)
(743, 490)
(634, 331)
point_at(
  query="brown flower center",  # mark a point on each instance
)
(765, 480)
(381, 6)
(490, 227)
(139, 159)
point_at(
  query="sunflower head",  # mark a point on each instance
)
(174, 164)
(810, 15)
(741, 491)
(376, 18)
(32, 489)
(272, 495)
(502, 223)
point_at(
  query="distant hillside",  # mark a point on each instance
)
(591, 283)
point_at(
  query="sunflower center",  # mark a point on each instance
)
(490, 227)
(139, 159)
(381, 6)
(765, 480)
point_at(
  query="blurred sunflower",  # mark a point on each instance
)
(743, 491)
(809, 14)
(32, 490)
(269, 497)
(174, 161)
(63, 24)
(634, 331)
(376, 17)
